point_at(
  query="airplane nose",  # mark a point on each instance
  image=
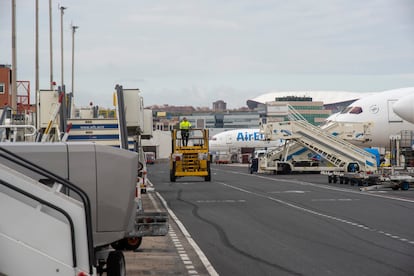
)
(404, 108)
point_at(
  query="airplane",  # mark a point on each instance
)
(240, 138)
(383, 110)
(404, 108)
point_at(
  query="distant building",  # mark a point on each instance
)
(219, 106)
(228, 120)
(5, 82)
(23, 92)
(313, 111)
(332, 100)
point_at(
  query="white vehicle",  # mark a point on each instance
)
(381, 110)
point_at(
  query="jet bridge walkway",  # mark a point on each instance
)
(340, 154)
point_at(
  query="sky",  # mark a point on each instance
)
(195, 52)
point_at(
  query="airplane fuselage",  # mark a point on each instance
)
(378, 109)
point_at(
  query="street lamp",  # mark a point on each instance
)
(14, 60)
(61, 43)
(51, 45)
(63, 108)
(73, 65)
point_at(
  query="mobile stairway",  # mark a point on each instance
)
(341, 155)
(43, 231)
(108, 176)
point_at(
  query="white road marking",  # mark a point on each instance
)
(221, 201)
(154, 202)
(334, 199)
(314, 212)
(322, 186)
(210, 269)
(288, 192)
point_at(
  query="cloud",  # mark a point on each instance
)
(230, 50)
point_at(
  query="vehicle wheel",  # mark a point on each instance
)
(208, 177)
(286, 169)
(115, 264)
(172, 176)
(172, 173)
(329, 179)
(132, 243)
(118, 245)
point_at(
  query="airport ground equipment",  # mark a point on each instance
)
(193, 159)
(43, 230)
(393, 181)
(340, 155)
(108, 175)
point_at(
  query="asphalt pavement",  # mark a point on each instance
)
(252, 224)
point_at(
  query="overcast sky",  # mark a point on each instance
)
(195, 52)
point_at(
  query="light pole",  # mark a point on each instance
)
(14, 60)
(73, 65)
(63, 107)
(51, 44)
(61, 43)
(37, 62)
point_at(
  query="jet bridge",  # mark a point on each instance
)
(340, 154)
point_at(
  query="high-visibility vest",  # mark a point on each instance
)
(185, 125)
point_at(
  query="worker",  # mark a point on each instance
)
(185, 131)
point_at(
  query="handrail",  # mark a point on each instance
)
(31, 127)
(12, 157)
(63, 212)
(297, 117)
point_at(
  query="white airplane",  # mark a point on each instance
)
(240, 138)
(381, 109)
(404, 108)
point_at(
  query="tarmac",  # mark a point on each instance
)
(164, 255)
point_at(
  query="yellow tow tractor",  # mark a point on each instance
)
(191, 159)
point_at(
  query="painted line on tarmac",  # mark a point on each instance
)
(345, 221)
(210, 269)
(322, 186)
(154, 202)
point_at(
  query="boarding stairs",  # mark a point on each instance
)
(337, 151)
(42, 228)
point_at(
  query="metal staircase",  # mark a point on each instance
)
(337, 151)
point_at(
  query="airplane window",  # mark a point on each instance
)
(345, 110)
(356, 110)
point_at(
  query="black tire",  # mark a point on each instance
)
(172, 176)
(208, 176)
(129, 244)
(172, 173)
(115, 264)
(132, 244)
(286, 169)
(118, 245)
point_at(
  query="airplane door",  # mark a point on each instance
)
(229, 139)
(392, 117)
